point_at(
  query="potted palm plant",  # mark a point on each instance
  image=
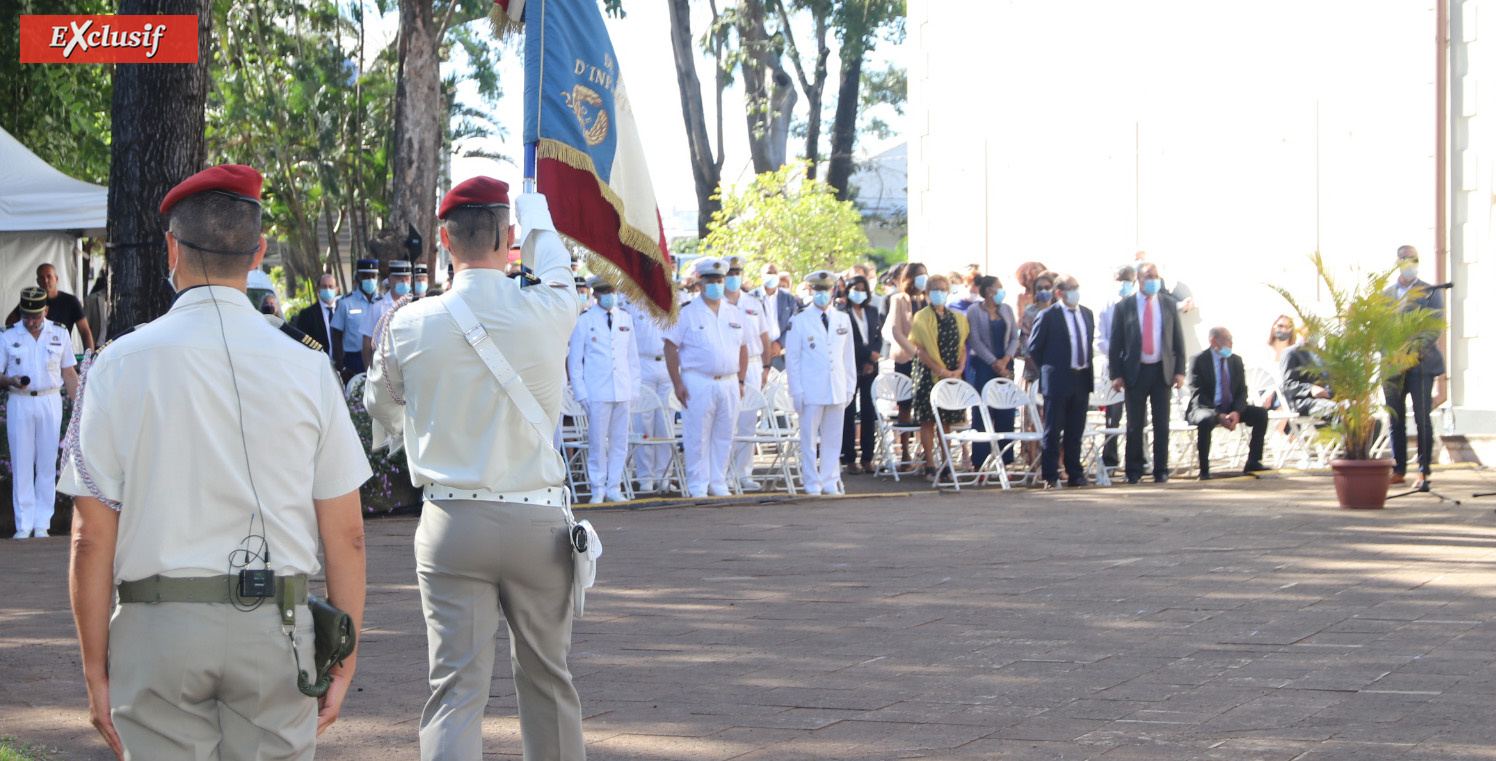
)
(1370, 338)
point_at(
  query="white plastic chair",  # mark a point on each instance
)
(889, 390)
(1098, 434)
(1004, 394)
(769, 439)
(574, 444)
(958, 395)
(648, 404)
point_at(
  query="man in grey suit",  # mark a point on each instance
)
(782, 305)
(1418, 381)
(1146, 355)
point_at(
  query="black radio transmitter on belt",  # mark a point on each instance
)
(256, 584)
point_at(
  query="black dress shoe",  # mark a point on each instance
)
(1133, 479)
(1052, 485)
(1205, 475)
(1160, 479)
(1079, 483)
(1255, 467)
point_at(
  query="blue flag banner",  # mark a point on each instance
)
(588, 158)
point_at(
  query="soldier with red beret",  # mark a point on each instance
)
(204, 524)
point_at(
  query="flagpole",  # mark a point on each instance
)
(530, 150)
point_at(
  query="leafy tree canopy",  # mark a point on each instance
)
(785, 219)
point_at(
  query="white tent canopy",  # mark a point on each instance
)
(34, 196)
(42, 213)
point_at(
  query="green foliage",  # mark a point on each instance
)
(887, 257)
(12, 749)
(685, 245)
(1367, 340)
(790, 221)
(60, 112)
(889, 87)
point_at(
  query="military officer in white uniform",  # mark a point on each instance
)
(707, 357)
(348, 320)
(818, 361)
(37, 357)
(650, 343)
(493, 530)
(399, 289)
(603, 363)
(756, 336)
(179, 487)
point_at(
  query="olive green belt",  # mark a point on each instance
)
(290, 590)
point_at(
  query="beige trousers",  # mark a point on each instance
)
(475, 560)
(206, 682)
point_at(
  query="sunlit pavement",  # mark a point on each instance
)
(1233, 620)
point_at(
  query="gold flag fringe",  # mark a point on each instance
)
(503, 26)
(607, 270)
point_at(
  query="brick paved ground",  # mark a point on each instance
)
(1237, 620)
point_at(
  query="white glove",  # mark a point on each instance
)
(534, 213)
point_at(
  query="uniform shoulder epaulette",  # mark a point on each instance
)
(294, 333)
(117, 336)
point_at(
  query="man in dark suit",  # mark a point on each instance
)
(1418, 381)
(782, 306)
(1061, 344)
(316, 319)
(1146, 356)
(1218, 381)
(1303, 389)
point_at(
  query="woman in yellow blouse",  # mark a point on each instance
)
(939, 337)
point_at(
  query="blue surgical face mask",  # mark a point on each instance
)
(1128, 288)
(1409, 272)
(1225, 352)
(712, 291)
(937, 297)
(821, 298)
(919, 282)
(420, 287)
(327, 295)
(1043, 296)
(1000, 296)
(367, 286)
(1151, 286)
(857, 297)
(734, 283)
(401, 289)
(1072, 297)
(771, 282)
(607, 300)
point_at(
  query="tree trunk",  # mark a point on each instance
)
(418, 124)
(157, 140)
(706, 171)
(769, 91)
(844, 125)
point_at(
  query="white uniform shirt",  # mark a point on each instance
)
(818, 359)
(603, 362)
(771, 310)
(41, 358)
(756, 325)
(648, 337)
(460, 429)
(374, 314)
(708, 342)
(161, 434)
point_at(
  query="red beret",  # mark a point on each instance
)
(479, 191)
(234, 179)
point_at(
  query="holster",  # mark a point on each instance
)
(335, 640)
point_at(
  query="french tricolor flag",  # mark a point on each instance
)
(583, 147)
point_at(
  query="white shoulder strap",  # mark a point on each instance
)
(478, 338)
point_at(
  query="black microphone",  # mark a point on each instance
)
(1439, 287)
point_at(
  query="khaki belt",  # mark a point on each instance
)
(220, 589)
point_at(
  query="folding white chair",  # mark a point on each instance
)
(1004, 394)
(1098, 434)
(574, 444)
(888, 390)
(1297, 439)
(769, 439)
(648, 404)
(958, 395)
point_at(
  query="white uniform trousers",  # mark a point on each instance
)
(821, 423)
(477, 560)
(706, 430)
(607, 445)
(649, 464)
(742, 466)
(33, 426)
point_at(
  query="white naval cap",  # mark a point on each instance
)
(735, 262)
(709, 266)
(596, 281)
(821, 278)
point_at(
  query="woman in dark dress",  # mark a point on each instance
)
(990, 349)
(867, 343)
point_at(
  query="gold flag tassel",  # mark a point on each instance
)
(503, 26)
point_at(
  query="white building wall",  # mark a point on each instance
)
(1227, 140)
(1472, 207)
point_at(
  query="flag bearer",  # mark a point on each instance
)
(819, 361)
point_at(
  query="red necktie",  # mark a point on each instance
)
(1148, 348)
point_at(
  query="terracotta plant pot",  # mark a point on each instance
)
(1361, 484)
